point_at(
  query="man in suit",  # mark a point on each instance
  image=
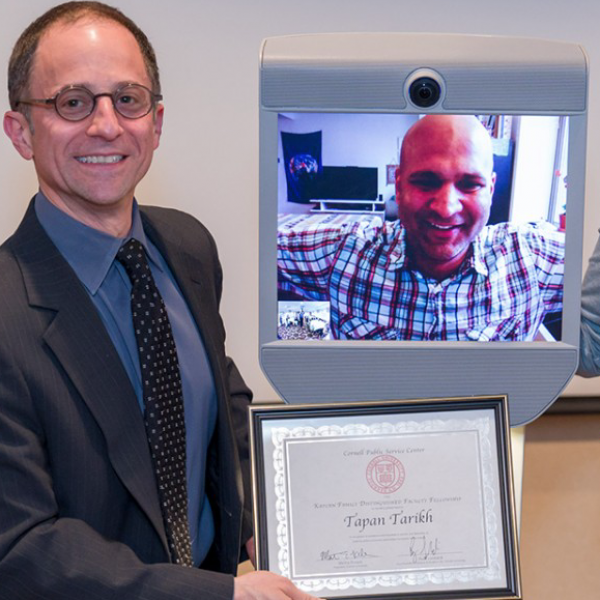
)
(80, 512)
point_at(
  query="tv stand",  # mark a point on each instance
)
(349, 206)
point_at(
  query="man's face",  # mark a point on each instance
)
(444, 189)
(90, 168)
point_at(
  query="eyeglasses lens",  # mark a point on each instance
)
(133, 101)
(74, 103)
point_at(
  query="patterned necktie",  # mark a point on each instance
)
(163, 398)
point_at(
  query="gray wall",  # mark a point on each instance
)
(208, 160)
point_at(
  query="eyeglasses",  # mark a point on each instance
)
(76, 102)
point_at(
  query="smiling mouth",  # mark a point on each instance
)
(102, 160)
(442, 227)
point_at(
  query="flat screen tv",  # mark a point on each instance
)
(421, 209)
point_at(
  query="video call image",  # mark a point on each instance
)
(304, 321)
(412, 228)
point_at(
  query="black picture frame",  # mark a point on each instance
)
(264, 417)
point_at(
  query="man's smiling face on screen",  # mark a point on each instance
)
(444, 188)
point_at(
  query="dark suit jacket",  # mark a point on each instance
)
(79, 511)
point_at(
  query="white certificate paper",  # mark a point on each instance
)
(381, 504)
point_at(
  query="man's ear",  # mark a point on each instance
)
(17, 129)
(398, 186)
(492, 184)
(158, 124)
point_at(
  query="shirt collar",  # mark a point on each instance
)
(396, 237)
(477, 258)
(89, 252)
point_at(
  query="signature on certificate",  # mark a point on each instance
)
(422, 548)
(345, 554)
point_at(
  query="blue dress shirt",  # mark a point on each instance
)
(91, 254)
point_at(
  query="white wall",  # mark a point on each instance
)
(208, 160)
(534, 168)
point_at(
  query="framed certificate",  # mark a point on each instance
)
(404, 498)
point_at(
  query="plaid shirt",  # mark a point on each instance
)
(512, 277)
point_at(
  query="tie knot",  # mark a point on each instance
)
(133, 257)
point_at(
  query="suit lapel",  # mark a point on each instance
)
(79, 341)
(190, 275)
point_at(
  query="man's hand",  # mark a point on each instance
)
(264, 585)
(251, 551)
